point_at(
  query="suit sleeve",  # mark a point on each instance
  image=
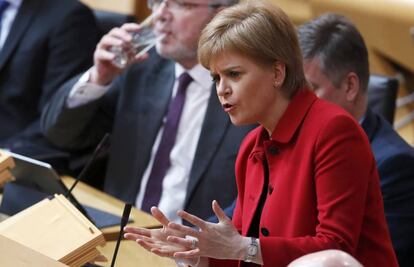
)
(397, 184)
(80, 127)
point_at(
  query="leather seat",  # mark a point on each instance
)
(382, 95)
(108, 20)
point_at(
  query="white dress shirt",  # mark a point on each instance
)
(177, 177)
(7, 20)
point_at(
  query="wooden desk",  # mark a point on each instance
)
(86, 194)
(131, 254)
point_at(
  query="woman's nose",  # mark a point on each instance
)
(222, 89)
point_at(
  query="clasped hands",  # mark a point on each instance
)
(188, 245)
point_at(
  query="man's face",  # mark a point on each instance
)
(322, 85)
(182, 22)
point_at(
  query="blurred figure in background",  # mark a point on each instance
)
(336, 65)
(172, 144)
(43, 43)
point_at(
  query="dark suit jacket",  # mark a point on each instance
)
(395, 162)
(134, 108)
(49, 42)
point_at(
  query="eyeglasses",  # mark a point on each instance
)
(180, 5)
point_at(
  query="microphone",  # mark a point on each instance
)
(124, 221)
(102, 146)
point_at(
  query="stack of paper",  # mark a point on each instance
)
(55, 228)
(6, 163)
(15, 254)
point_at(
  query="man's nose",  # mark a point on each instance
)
(162, 12)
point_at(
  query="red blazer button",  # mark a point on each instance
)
(273, 150)
(270, 189)
(264, 231)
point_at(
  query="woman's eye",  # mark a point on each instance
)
(234, 74)
(215, 78)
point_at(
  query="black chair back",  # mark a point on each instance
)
(382, 95)
(108, 20)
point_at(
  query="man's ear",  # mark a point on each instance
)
(352, 86)
(279, 70)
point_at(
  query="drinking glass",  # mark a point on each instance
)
(141, 42)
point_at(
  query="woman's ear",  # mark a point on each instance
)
(279, 70)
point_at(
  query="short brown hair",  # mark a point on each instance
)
(260, 31)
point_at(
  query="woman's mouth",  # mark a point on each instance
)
(227, 107)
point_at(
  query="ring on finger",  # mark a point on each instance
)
(193, 243)
(193, 240)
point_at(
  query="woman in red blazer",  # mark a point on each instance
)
(306, 178)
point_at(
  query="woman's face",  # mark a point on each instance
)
(246, 89)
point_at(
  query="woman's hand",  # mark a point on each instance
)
(155, 240)
(216, 240)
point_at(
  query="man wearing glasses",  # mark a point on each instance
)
(170, 149)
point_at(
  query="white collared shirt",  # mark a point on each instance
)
(7, 20)
(177, 177)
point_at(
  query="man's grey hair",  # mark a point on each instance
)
(337, 43)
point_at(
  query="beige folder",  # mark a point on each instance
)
(16, 255)
(55, 228)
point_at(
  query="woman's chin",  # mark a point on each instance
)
(240, 121)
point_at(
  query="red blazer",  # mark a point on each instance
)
(323, 190)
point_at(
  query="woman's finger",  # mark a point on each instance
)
(147, 239)
(145, 245)
(221, 215)
(185, 242)
(129, 236)
(194, 220)
(159, 216)
(183, 229)
(139, 231)
(163, 252)
(136, 236)
(187, 254)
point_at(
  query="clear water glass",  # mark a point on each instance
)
(142, 41)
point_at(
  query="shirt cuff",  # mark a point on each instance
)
(84, 92)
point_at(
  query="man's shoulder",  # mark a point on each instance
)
(52, 14)
(387, 143)
(61, 3)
